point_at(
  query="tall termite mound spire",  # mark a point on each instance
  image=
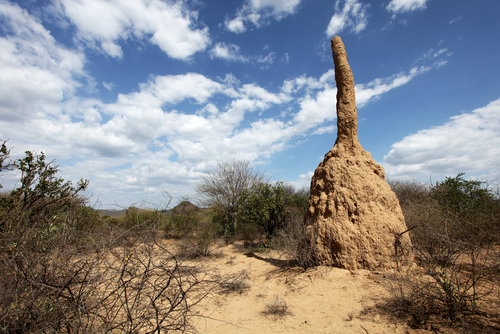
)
(355, 218)
(347, 115)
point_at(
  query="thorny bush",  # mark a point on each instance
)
(60, 274)
(455, 237)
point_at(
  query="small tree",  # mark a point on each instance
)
(221, 188)
(265, 205)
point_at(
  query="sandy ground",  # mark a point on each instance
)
(321, 300)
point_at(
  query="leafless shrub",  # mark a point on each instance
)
(193, 248)
(139, 287)
(201, 244)
(59, 273)
(276, 307)
(58, 278)
(235, 283)
(294, 240)
(456, 252)
(146, 288)
(413, 298)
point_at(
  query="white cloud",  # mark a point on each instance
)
(108, 85)
(258, 13)
(285, 58)
(374, 89)
(315, 110)
(325, 129)
(252, 90)
(170, 25)
(352, 15)
(304, 181)
(36, 70)
(455, 19)
(229, 52)
(438, 53)
(269, 59)
(164, 134)
(469, 142)
(402, 6)
(236, 25)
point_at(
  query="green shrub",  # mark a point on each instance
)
(455, 236)
(471, 205)
(266, 206)
(225, 219)
(41, 227)
(143, 218)
(299, 200)
(42, 208)
(182, 222)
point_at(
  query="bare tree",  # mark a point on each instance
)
(226, 181)
(223, 185)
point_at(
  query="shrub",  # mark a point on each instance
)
(41, 223)
(32, 215)
(57, 274)
(266, 206)
(221, 188)
(143, 217)
(225, 219)
(235, 283)
(183, 220)
(295, 240)
(472, 206)
(202, 241)
(454, 232)
(276, 307)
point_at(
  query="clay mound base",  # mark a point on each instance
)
(355, 217)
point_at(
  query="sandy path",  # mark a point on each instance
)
(322, 300)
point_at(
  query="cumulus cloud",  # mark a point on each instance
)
(352, 15)
(229, 52)
(164, 134)
(142, 141)
(170, 25)
(259, 12)
(405, 6)
(36, 70)
(469, 142)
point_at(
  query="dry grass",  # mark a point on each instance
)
(235, 283)
(276, 307)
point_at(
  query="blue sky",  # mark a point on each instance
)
(143, 95)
